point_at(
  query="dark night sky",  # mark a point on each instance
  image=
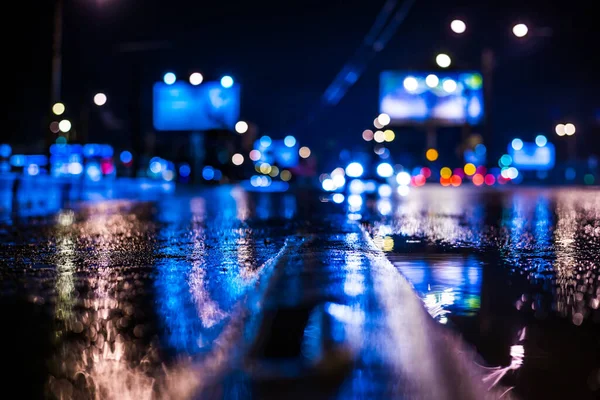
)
(286, 53)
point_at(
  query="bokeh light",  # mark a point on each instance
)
(289, 141)
(274, 172)
(443, 60)
(432, 80)
(196, 78)
(169, 78)
(589, 179)
(470, 169)
(255, 155)
(354, 170)
(54, 127)
(449, 85)
(520, 30)
(403, 191)
(367, 135)
(403, 178)
(505, 160)
(389, 135)
(58, 109)
(517, 144)
(432, 154)
(383, 119)
(64, 125)
(478, 179)
(304, 152)
(126, 157)
(560, 129)
(385, 170)
(265, 168)
(410, 84)
(458, 26)
(237, 159)
(338, 198)
(569, 129)
(241, 127)
(446, 172)
(227, 81)
(100, 99)
(285, 175)
(541, 140)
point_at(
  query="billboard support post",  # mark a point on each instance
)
(572, 149)
(197, 154)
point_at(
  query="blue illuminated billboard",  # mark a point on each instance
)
(278, 153)
(443, 98)
(285, 156)
(531, 157)
(184, 107)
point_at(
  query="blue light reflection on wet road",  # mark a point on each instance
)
(537, 251)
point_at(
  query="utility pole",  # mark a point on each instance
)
(487, 68)
(57, 39)
(57, 53)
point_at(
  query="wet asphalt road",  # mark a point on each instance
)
(227, 294)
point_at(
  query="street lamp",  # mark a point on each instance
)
(520, 30)
(196, 78)
(458, 26)
(58, 108)
(241, 127)
(569, 129)
(100, 99)
(64, 126)
(383, 119)
(443, 60)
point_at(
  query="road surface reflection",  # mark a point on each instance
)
(226, 294)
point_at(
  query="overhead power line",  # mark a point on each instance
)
(385, 25)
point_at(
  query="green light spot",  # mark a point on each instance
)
(589, 179)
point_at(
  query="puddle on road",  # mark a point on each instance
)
(494, 264)
(447, 284)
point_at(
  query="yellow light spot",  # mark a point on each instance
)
(274, 172)
(388, 243)
(445, 172)
(265, 168)
(285, 175)
(58, 109)
(432, 154)
(470, 169)
(389, 135)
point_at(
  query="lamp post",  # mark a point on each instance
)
(57, 53)
(487, 64)
(568, 129)
(55, 94)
